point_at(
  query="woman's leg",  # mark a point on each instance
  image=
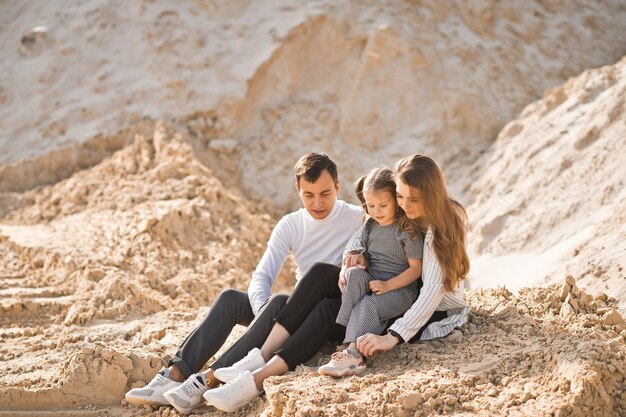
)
(318, 328)
(255, 335)
(318, 283)
(230, 308)
(357, 286)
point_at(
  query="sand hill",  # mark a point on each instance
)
(364, 81)
(552, 191)
(145, 154)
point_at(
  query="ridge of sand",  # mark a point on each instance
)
(557, 174)
(529, 354)
(107, 263)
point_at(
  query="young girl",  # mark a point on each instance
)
(386, 289)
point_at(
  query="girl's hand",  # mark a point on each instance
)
(378, 287)
(370, 343)
(357, 260)
(342, 279)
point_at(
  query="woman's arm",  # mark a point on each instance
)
(411, 274)
(407, 326)
(411, 322)
(370, 343)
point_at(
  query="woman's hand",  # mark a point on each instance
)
(378, 287)
(370, 343)
(357, 260)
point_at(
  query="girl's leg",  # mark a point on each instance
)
(357, 286)
(371, 314)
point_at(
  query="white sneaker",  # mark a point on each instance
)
(188, 395)
(252, 361)
(152, 394)
(235, 394)
(344, 363)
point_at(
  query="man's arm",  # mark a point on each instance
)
(278, 247)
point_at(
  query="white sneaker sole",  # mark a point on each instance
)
(145, 401)
(180, 409)
(337, 374)
(229, 408)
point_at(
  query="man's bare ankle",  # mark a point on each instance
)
(176, 374)
(211, 381)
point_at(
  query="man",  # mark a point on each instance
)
(316, 233)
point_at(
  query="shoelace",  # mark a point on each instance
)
(192, 386)
(339, 356)
(158, 380)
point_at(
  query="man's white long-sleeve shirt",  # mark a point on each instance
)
(309, 240)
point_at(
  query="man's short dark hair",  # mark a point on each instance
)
(311, 166)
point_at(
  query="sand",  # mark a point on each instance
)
(102, 280)
(146, 151)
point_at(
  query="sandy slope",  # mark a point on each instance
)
(148, 232)
(355, 79)
(553, 189)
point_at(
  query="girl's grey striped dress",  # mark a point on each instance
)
(388, 249)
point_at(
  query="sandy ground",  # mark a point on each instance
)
(144, 158)
(103, 274)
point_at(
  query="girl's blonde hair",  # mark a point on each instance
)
(444, 214)
(382, 179)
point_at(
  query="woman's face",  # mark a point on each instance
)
(410, 200)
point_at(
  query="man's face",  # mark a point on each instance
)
(318, 197)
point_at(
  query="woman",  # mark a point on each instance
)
(307, 322)
(421, 192)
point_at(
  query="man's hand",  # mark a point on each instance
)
(369, 344)
(357, 260)
(378, 287)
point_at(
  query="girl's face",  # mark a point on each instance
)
(381, 205)
(410, 200)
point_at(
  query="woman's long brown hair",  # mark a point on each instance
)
(444, 214)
